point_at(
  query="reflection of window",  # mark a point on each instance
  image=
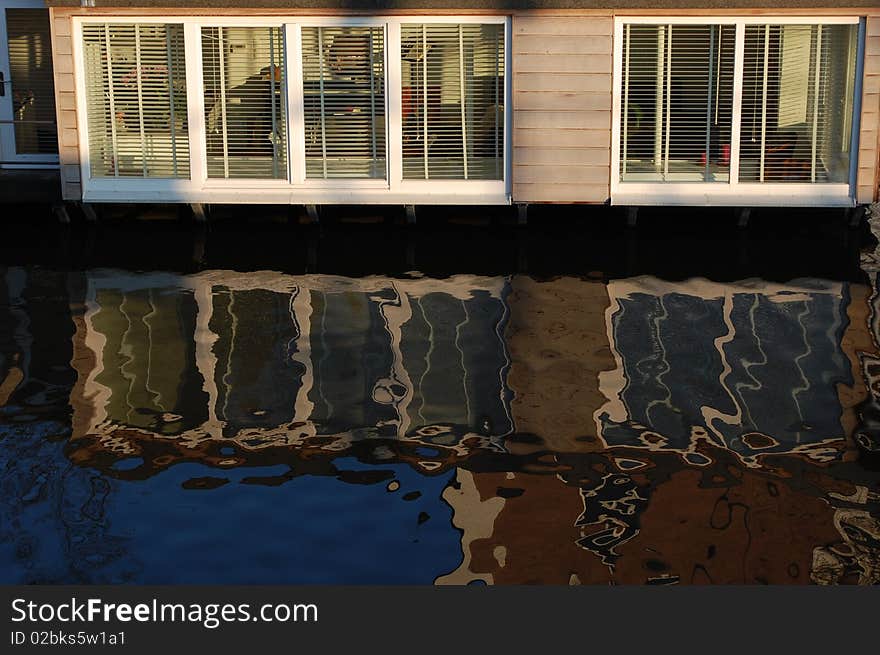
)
(798, 88)
(453, 101)
(245, 115)
(344, 101)
(676, 99)
(136, 99)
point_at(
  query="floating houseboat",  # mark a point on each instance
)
(681, 102)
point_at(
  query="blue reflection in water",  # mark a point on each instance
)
(307, 530)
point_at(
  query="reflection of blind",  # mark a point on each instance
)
(677, 94)
(245, 117)
(33, 91)
(344, 101)
(797, 103)
(452, 96)
(136, 99)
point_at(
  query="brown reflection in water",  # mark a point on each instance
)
(558, 345)
(733, 526)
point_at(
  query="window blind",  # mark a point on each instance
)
(453, 101)
(344, 101)
(798, 92)
(33, 90)
(245, 107)
(136, 100)
(677, 98)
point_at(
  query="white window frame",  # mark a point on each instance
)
(296, 189)
(732, 192)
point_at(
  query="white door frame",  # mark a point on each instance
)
(9, 158)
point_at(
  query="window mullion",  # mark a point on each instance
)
(394, 104)
(736, 110)
(295, 102)
(195, 102)
(857, 106)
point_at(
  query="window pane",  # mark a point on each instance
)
(245, 107)
(453, 101)
(33, 91)
(677, 94)
(344, 89)
(798, 89)
(136, 100)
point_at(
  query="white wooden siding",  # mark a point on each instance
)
(65, 104)
(869, 130)
(561, 108)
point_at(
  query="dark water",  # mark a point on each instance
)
(186, 422)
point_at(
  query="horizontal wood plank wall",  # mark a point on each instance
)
(65, 104)
(869, 130)
(561, 108)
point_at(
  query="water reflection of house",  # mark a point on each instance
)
(624, 509)
(756, 368)
(272, 360)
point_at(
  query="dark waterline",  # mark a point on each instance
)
(463, 402)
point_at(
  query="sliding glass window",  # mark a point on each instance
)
(453, 101)
(676, 103)
(135, 86)
(344, 101)
(797, 107)
(338, 109)
(789, 103)
(245, 106)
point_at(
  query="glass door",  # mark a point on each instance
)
(28, 134)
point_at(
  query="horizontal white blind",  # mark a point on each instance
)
(677, 95)
(245, 106)
(33, 89)
(344, 101)
(798, 89)
(453, 101)
(136, 99)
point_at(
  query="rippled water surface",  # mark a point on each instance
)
(263, 427)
